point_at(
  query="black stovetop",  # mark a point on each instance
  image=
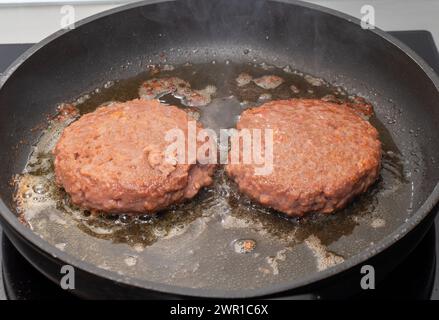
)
(416, 278)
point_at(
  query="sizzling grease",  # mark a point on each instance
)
(193, 244)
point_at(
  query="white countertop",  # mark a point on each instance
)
(30, 21)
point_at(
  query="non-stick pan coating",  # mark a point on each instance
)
(118, 45)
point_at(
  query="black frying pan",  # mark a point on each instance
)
(117, 44)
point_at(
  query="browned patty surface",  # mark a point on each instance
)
(113, 159)
(324, 155)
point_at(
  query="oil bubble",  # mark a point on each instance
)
(27, 194)
(40, 188)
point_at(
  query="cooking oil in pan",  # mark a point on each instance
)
(220, 239)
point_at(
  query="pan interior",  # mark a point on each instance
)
(205, 243)
(194, 247)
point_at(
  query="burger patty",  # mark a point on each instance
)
(324, 154)
(113, 159)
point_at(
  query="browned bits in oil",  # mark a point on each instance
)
(66, 111)
(244, 245)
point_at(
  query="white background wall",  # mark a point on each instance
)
(31, 21)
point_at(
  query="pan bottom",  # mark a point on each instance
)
(199, 244)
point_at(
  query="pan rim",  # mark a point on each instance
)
(11, 219)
